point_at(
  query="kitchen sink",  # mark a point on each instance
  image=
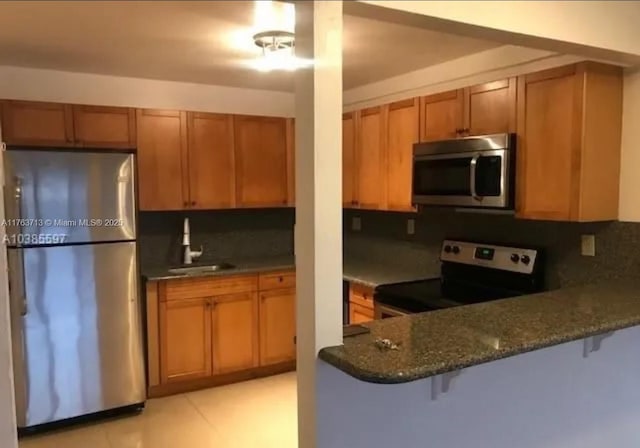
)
(192, 270)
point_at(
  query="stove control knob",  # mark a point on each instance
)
(526, 259)
(515, 258)
(447, 249)
(456, 250)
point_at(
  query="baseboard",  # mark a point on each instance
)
(164, 390)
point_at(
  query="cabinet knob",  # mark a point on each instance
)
(280, 279)
(185, 204)
(193, 202)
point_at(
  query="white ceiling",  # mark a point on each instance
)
(201, 42)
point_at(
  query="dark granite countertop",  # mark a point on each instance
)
(374, 273)
(355, 270)
(442, 341)
(241, 266)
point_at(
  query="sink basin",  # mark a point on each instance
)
(191, 270)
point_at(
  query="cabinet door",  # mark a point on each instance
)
(185, 339)
(403, 130)
(162, 146)
(359, 314)
(261, 161)
(291, 161)
(31, 123)
(277, 326)
(369, 158)
(548, 139)
(211, 162)
(348, 159)
(104, 127)
(490, 108)
(235, 332)
(441, 116)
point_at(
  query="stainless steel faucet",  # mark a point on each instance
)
(189, 255)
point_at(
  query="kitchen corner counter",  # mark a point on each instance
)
(443, 341)
(372, 273)
(360, 271)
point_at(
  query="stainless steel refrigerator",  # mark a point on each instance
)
(73, 280)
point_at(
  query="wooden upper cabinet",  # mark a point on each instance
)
(370, 179)
(277, 326)
(569, 127)
(348, 159)
(235, 332)
(211, 167)
(441, 116)
(261, 161)
(31, 123)
(162, 146)
(490, 108)
(291, 162)
(185, 339)
(403, 130)
(104, 127)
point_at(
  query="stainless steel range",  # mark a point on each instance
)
(470, 273)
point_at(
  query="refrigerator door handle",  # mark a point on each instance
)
(17, 281)
(23, 284)
(17, 195)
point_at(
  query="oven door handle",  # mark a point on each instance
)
(472, 177)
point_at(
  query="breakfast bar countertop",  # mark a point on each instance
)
(446, 340)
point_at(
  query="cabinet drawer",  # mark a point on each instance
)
(361, 295)
(359, 314)
(277, 280)
(186, 288)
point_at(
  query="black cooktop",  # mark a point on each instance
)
(469, 273)
(416, 297)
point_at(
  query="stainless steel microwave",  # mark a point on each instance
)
(474, 172)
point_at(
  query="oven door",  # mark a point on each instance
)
(468, 179)
(384, 311)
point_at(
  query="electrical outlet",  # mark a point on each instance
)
(411, 226)
(356, 224)
(588, 245)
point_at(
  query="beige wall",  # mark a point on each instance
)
(85, 88)
(490, 65)
(606, 25)
(630, 165)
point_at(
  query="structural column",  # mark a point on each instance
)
(318, 230)
(8, 435)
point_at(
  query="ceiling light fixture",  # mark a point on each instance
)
(278, 41)
(277, 51)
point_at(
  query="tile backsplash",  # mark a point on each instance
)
(617, 243)
(238, 234)
(224, 235)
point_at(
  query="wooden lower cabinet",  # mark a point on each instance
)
(235, 332)
(185, 339)
(277, 326)
(359, 314)
(360, 303)
(218, 330)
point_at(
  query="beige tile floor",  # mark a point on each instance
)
(259, 413)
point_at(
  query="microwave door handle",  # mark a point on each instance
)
(472, 177)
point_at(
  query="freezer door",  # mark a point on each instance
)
(77, 337)
(69, 197)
